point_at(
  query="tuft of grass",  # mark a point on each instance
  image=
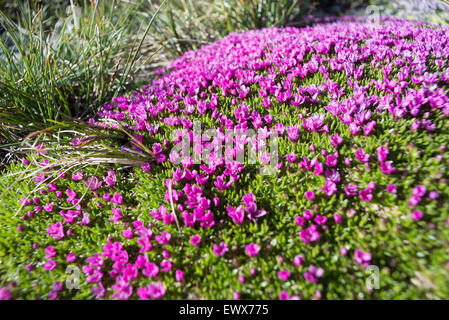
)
(186, 25)
(90, 55)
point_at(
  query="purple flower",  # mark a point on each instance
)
(117, 198)
(336, 140)
(413, 201)
(71, 257)
(417, 215)
(152, 291)
(313, 274)
(252, 249)
(391, 188)
(361, 155)
(433, 195)
(284, 275)
(77, 176)
(5, 293)
(298, 260)
(285, 296)
(49, 265)
(50, 252)
(150, 270)
(309, 235)
(98, 291)
(179, 275)
(56, 230)
(291, 157)
(329, 188)
(310, 195)
(220, 249)
(362, 258)
(419, 191)
(237, 215)
(128, 233)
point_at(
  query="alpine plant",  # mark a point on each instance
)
(285, 164)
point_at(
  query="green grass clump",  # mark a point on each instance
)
(131, 206)
(65, 64)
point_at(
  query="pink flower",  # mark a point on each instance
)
(337, 218)
(117, 198)
(146, 168)
(179, 275)
(237, 215)
(293, 132)
(71, 257)
(417, 215)
(153, 291)
(163, 238)
(195, 240)
(265, 158)
(150, 270)
(285, 296)
(348, 162)
(362, 258)
(331, 160)
(299, 221)
(433, 195)
(391, 188)
(361, 155)
(313, 274)
(309, 235)
(130, 272)
(48, 207)
(310, 195)
(284, 275)
(387, 168)
(117, 215)
(298, 260)
(291, 157)
(329, 188)
(252, 249)
(94, 183)
(220, 249)
(128, 233)
(382, 153)
(77, 176)
(110, 179)
(49, 265)
(56, 230)
(413, 201)
(251, 207)
(166, 265)
(5, 293)
(366, 194)
(50, 252)
(122, 289)
(98, 291)
(336, 140)
(419, 191)
(320, 220)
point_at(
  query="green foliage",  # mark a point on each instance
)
(88, 56)
(432, 11)
(186, 25)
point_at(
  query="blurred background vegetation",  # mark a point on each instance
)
(64, 59)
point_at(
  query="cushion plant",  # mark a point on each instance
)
(275, 163)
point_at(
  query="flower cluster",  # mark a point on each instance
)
(345, 100)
